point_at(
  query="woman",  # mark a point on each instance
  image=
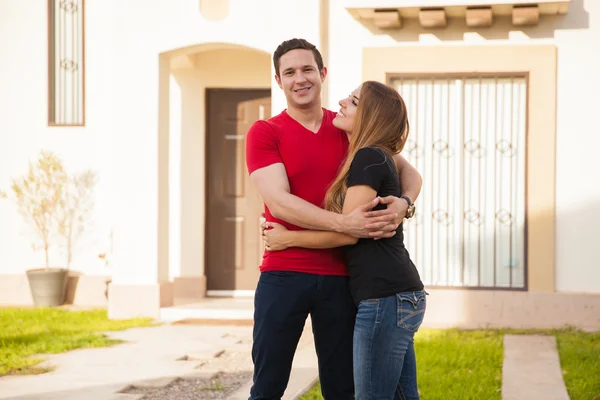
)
(384, 282)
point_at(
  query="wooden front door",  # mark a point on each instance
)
(233, 244)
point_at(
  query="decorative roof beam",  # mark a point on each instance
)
(525, 15)
(387, 19)
(432, 18)
(479, 17)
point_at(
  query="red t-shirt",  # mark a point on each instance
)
(312, 162)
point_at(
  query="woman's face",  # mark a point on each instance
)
(344, 119)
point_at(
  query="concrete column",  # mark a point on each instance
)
(188, 172)
(140, 283)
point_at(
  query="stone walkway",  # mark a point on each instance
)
(531, 369)
(153, 358)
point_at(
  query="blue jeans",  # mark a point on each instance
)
(385, 366)
(282, 302)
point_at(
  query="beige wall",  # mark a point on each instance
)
(475, 309)
(576, 37)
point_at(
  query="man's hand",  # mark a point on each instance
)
(358, 224)
(395, 204)
(379, 223)
(377, 219)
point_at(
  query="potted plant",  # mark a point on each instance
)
(56, 206)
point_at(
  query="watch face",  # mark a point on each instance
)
(410, 212)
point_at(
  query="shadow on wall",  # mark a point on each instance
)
(87, 290)
(576, 18)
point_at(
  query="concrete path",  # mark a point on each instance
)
(148, 353)
(531, 369)
(153, 357)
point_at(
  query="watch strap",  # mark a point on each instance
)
(408, 200)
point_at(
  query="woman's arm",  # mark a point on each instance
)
(277, 237)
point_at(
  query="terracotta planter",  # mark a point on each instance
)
(48, 286)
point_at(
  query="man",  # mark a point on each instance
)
(292, 158)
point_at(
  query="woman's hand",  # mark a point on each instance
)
(275, 236)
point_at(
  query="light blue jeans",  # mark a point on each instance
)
(385, 366)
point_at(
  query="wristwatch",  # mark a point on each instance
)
(411, 207)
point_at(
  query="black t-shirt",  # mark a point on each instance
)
(379, 268)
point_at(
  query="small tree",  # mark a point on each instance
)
(39, 195)
(75, 209)
(55, 203)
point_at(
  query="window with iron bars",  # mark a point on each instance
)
(66, 58)
(467, 139)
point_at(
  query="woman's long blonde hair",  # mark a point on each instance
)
(381, 121)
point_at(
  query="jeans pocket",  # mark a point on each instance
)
(411, 309)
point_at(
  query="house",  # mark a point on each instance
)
(156, 96)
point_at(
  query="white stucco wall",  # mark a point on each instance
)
(577, 38)
(24, 130)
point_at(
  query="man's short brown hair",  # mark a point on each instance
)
(294, 44)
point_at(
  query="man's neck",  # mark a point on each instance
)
(310, 118)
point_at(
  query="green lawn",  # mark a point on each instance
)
(27, 333)
(457, 364)
(580, 360)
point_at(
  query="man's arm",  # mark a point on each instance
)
(274, 188)
(410, 179)
(410, 183)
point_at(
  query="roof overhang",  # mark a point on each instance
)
(388, 14)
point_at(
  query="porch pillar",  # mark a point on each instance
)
(140, 284)
(187, 177)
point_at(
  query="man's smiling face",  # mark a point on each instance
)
(300, 78)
